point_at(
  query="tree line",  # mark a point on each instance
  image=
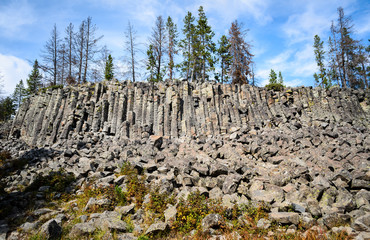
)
(345, 63)
(200, 55)
(77, 57)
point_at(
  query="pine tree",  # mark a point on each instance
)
(225, 58)
(158, 41)
(321, 78)
(19, 93)
(150, 65)
(280, 79)
(7, 108)
(172, 34)
(205, 48)
(241, 55)
(34, 79)
(275, 83)
(272, 77)
(108, 73)
(187, 46)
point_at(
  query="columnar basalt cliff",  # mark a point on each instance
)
(187, 160)
(136, 110)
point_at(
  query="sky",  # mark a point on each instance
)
(281, 32)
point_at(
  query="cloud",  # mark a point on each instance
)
(229, 10)
(13, 69)
(14, 16)
(294, 65)
(313, 17)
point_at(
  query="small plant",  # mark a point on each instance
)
(191, 212)
(158, 203)
(136, 189)
(121, 197)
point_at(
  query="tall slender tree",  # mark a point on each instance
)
(343, 50)
(321, 78)
(80, 45)
(50, 56)
(224, 57)
(91, 47)
(158, 42)
(108, 73)
(240, 52)
(205, 48)
(34, 79)
(131, 48)
(62, 63)
(151, 64)
(19, 93)
(69, 41)
(171, 30)
(187, 46)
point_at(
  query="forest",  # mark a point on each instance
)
(190, 53)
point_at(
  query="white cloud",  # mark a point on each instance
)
(294, 65)
(14, 16)
(13, 70)
(229, 10)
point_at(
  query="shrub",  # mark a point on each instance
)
(136, 189)
(275, 87)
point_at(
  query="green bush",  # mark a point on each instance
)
(275, 87)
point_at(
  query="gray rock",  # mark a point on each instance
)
(156, 228)
(214, 221)
(263, 223)
(125, 210)
(82, 229)
(29, 226)
(51, 230)
(126, 236)
(284, 217)
(218, 169)
(111, 223)
(170, 214)
(362, 223)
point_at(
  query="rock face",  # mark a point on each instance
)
(303, 152)
(136, 110)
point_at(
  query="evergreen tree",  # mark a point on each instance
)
(321, 79)
(275, 83)
(108, 73)
(172, 34)
(187, 46)
(241, 55)
(7, 108)
(280, 80)
(205, 48)
(19, 93)
(150, 65)
(225, 58)
(272, 77)
(34, 79)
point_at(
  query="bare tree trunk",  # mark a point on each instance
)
(88, 25)
(132, 55)
(81, 41)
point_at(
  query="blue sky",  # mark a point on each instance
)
(281, 32)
